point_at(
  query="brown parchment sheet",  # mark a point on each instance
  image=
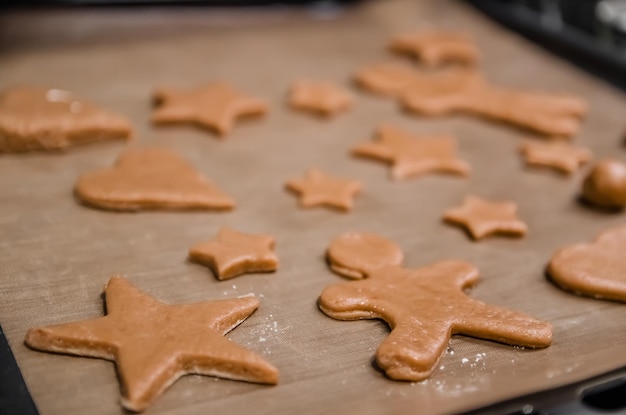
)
(56, 255)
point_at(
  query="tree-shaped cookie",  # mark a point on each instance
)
(423, 307)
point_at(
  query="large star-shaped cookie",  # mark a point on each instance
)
(482, 217)
(153, 343)
(413, 156)
(35, 118)
(596, 269)
(423, 307)
(215, 106)
(557, 155)
(319, 97)
(436, 48)
(233, 253)
(150, 178)
(319, 189)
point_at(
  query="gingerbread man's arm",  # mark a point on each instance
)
(484, 321)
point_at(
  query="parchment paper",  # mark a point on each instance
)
(56, 255)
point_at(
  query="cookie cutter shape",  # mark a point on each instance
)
(595, 269)
(434, 48)
(605, 185)
(232, 253)
(320, 189)
(465, 91)
(322, 98)
(556, 155)
(36, 118)
(412, 156)
(215, 106)
(150, 178)
(153, 343)
(423, 307)
(482, 218)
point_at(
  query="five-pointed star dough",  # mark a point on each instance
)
(233, 253)
(150, 178)
(424, 307)
(320, 97)
(154, 343)
(482, 217)
(556, 154)
(436, 48)
(35, 118)
(320, 189)
(215, 106)
(413, 156)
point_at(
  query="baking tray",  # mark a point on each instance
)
(56, 255)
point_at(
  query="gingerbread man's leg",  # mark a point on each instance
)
(484, 321)
(413, 348)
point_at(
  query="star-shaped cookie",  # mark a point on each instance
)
(557, 155)
(413, 156)
(150, 178)
(215, 106)
(35, 118)
(436, 48)
(319, 189)
(153, 343)
(322, 98)
(423, 307)
(233, 253)
(482, 218)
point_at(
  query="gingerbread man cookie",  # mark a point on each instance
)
(423, 307)
(465, 90)
(594, 269)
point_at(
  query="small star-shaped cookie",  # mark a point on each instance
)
(319, 97)
(233, 253)
(423, 307)
(556, 154)
(153, 343)
(35, 118)
(413, 156)
(215, 106)
(482, 217)
(436, 48)
(320, 189)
